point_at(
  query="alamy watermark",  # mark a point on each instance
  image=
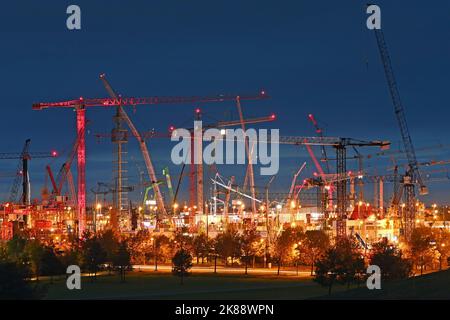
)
(374, 280)
(74, 279)
(73, 21)
(374, 20)
(227, 146)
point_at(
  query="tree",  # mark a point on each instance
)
(122, 259)
(314, 245)
(421, 248)
(341, 264)
(227, 245)
(182, 263)
(3, 252)
(183, 240)
(140, 247)
(249, 241)
(72, 256)
(50, 264)
(15, 250)
(109, 244)
(200, 247)
(35, 251)
(442, 244)
(93, 255)
(284, 245)
(390, 260)
(160, 248)
(13, 284)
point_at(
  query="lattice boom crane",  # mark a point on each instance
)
(80, 106)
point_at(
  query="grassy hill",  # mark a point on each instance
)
(430, 286)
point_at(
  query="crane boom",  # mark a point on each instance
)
(294, 179)
(142, 145)
(399, 111)
(319, 132)
(133, 101)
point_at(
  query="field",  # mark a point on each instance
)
(151, 285)
(148, 285)
(430, 286)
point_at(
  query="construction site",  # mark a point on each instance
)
(333, 190)
(331, 199)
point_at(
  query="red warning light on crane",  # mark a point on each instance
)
(197, 110)
(273, 116)
(54, 153)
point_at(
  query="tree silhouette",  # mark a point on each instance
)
(227, 245)
(50, 264)
(110, 244)
(249, 241)
(122, 259)
(13, 284)
(341, 264)
(93, 255)
(182, 263)
(313, 245)
(35, 251)
(390, 260)
(420, 246)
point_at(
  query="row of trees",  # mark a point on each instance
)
(344, 263)
(92, 253)
(291, 247)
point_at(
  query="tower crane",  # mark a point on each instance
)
(319, 132)
(340, 144)
(412, 173)
(220, 124)
(80, 106)
(142, 145)
(22, 166)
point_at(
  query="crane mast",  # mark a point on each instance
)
(413, 170)
(143, 147)
(412, 175)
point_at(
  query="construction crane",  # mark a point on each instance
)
(221, 124)
(22, 167)
(294, 179)
(143, 146)
(169, 182)
(319, 132)
(80, 106)
(248, 151)
(412, 173)
(196, 189)
(340, 144)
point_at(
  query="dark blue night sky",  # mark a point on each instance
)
(311, 56)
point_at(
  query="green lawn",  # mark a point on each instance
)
(430, 286)
(148, 285)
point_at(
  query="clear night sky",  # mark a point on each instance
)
(311, 57)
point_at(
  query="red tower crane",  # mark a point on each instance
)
(80, 106)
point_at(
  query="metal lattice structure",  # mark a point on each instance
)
(412, 174)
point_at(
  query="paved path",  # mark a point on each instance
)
(228, 270)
